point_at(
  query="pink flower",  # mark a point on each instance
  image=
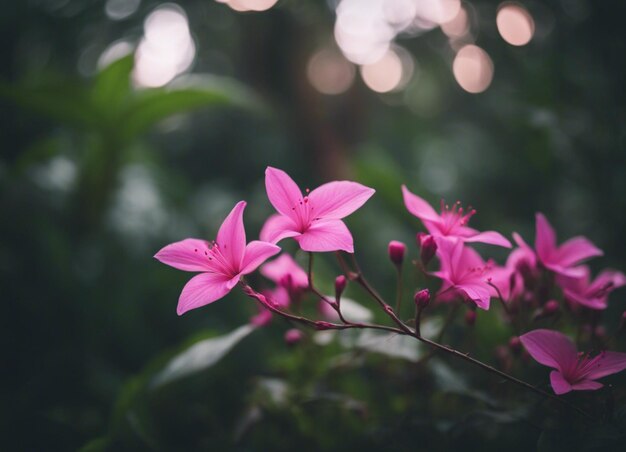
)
(562, 259)
(574, 371)
(313, 220)
(463, 271)
(592, 294)
(221, 262)
(452, 222)
(286, 272)
(291, 280)
(520, 267)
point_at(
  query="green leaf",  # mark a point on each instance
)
(200, 356)
(112, 85)
(65, 102)
(153, 105)
(96, 445)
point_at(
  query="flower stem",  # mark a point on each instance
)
(465, 356)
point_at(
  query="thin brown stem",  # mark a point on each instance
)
(402, 329)
(465, 356)
(249, 291)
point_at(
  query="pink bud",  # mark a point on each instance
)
(600, 332)
(422, 298)
(515, 344)
(428, 247)
(340, 285)
(396, 252)
(470, 317)
(293, 336)
(550, 307)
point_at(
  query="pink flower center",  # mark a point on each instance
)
(304, 211)
(454, 217)
(581, 368)
(219, 261)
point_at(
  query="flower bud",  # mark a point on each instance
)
(428, 247)
(470, 318)
(422, 298)
(515, 344)
(293, 336)
(550, 308)
(340, 285)
(396, 252)
(599, 332)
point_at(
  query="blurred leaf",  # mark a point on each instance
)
(450, 381)
(390, 344)
(65, 102)
(96, 445)
(153, 105)
(553, 440)
(112, 85)
(200, 356)
(377, 169)
(38, 152)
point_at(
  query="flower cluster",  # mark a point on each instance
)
(534, 284)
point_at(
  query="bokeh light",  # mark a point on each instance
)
(515, 24)
(365, 29)
(114, 52)
(167, 48)
(473, 69)
(121, 9)
(249, 5)
(458, 26)
(390, 73)
(329, 72)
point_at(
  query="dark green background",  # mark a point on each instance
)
(88, 315)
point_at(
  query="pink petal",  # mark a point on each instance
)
(279, 297)
(435, 228)
(188, 255)
(591, 303)
(466, 258)
(256, 253)
(559, 383)
(608, 363)
(587, 385)
(545, 239)
(203, 289)
(550, 348)
(231, 237)
(478, 294)
(284, 265)
(278, 227)
(419, 207)
(613, 277)
(576, 250)
(489, 237)
(327, 235)
(567, 272)
(449, 251)
(263, 318)
(283, 192)
(521, 242)
(336, 200)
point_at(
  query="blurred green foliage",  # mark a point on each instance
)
(95, 176)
